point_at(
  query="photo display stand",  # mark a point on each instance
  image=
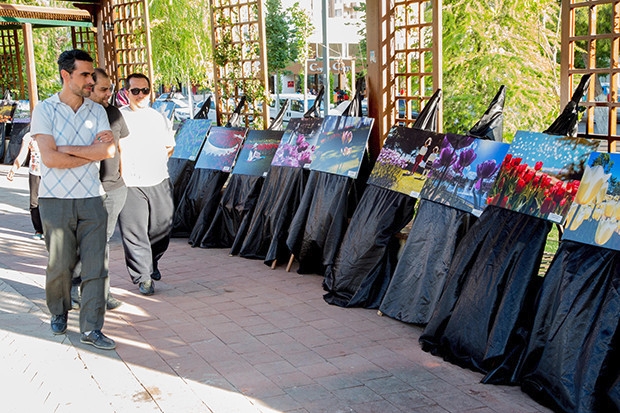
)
(483, 318)
(203, 191)
(241, 193)
(189, 139)
(321, 218)
(436, 231)
(368, 253)
(280, 195)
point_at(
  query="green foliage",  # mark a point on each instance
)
(181, 41)
(492, 43)
(278, 33)
(48, 43)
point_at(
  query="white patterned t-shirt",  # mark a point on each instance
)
(55, 118)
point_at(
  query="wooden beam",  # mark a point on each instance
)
(31, 74)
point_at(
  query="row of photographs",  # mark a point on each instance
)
(557, 178)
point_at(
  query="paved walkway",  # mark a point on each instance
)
(221, 334)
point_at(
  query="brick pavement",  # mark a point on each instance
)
(221, 334)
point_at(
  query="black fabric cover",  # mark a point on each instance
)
(484, 315)
(368, 253)
(238, 200)
(572, 361)
(180, 171)
(277, 203)
(320, 221)
(16, 136)
(421, 271)
(203, 191)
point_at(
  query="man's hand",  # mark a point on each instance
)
(10, 175)
(105, 136)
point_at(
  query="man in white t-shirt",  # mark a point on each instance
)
(73, 134)
(146, 219)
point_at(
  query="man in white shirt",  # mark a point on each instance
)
(73, 134)
(146, 219)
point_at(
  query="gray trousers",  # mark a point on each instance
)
(145, 223)
(70, 224)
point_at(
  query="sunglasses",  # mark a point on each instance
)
(136, 91)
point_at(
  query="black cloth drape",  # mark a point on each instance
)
(421, 271)
(238, 200)
(484, 315)
(276, 205)
(320, 221)
(572, 362)
(203, 192)
(180, 171)
(367, 256)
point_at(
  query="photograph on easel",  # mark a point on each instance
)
(594, 216)
(341, 145)
(298, 143)
(220, 149)
(540, 174)
(463, 172)
(190, 137)
(257, 152)
(404, 159)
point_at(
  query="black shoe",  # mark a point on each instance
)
(112, 303)
(98, 339)
(156, 275)
(59, 324)
(76, 297)
(147, 287)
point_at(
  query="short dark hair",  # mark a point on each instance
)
(99, 73)
(137, 76)
(66, 60)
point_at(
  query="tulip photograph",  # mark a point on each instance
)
(257, 152)
(189, 138)
(405, 158)
(220, 149)
(298, 143)
(594, 216)
(540, 175)
(341, 145)
(463, 173)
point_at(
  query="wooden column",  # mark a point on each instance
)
(31, 74)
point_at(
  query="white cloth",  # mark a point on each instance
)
(55, 118)
(144, 156)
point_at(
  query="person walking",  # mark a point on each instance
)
(29, 146)
(146, 219)
(73, 134)
(110, 175)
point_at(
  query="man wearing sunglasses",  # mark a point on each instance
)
(146, 219)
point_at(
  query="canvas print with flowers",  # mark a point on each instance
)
(298, 143)
(189, 138)
(257, 153)
(220, 149)
(594, 216)
(540, 174)
(341, 145)
(404, 159)
(463, 172)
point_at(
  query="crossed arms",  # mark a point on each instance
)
(72, 156)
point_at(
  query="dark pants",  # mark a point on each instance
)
(70, 224)
(35, 216)
(145, 223)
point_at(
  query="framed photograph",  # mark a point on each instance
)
(189, 138)
(594, 216)
(540, 174)
(7, 110)
(404, 159)
(298, 143)
(257, 152)
(341, 145)
(463, 171)
(220, 149)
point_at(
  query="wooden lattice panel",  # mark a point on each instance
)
(11, 77)
(85, 38)
(416, 67)
(240, 59)
(591, 44)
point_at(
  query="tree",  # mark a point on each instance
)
(277, 32)
(181, 41)
(510, 43)
(301, 29)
